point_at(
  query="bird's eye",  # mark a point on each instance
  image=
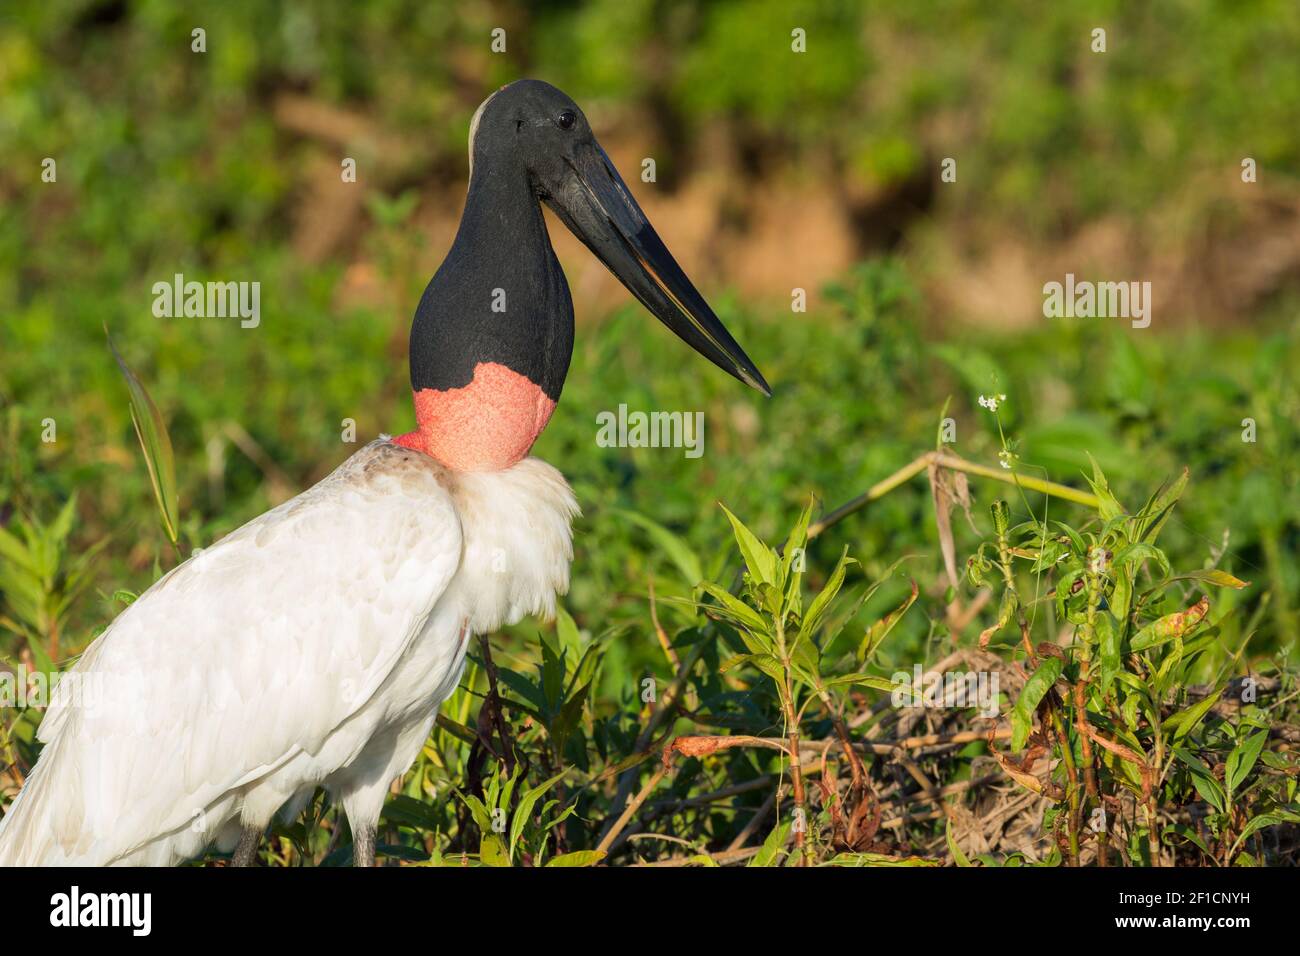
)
(566, 119)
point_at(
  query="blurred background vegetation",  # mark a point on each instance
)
(775, 171)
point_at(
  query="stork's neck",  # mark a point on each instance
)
(493, 334)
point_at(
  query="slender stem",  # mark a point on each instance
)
(878, 490)
(1080, 690)
(796, 781)
(1153, 835)
(667, 702)
(1071, 780)
(1009, 581)
(944, 460)
(786, 693)
(608, 841)
(856, 769)
(1022, 481)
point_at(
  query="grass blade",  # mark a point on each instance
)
(156, 444)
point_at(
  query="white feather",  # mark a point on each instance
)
(310, 647)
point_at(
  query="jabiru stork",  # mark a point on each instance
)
(313, 646)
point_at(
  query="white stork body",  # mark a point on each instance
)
(212, 713)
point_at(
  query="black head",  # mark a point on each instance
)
(530, 123)
(534, 125)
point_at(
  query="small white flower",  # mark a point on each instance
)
(991, 402)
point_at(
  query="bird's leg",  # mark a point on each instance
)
(363, 846)
(246, 851)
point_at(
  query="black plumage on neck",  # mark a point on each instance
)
(500, 296)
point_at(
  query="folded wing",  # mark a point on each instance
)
(253, 651)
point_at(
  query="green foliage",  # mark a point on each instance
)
(41, 581)
(1116, 699)
(506, 829)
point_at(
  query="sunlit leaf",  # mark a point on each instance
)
(878, 631)
(759, 558)
(1039, 683)
(1170, 626)
(577, 858)
(156, 445)
(1242, 760)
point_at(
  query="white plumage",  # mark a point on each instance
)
(311, 647)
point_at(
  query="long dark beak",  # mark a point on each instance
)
(599, 209)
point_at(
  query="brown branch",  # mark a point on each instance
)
(610, 839)
(702, 745)
(629, 777)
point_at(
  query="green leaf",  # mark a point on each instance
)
(477, 810)
(1121, 596)
(878, 631)
(39, 656)
(409, 812)
(866, 680)
(772, 846)
(1183, 722)
(1108, 506)
(566, 721)
(759, 558)
(1006, 611)
(524, 811)
(1076, 541)
(1157, 511)
(552, 670)
(733, 608)
(770, 666)
(1206, 785)
(797, 540)
(1187, 833)
(577, 858)
(734, 661)
(156, 445)
(527, 689)
(61, 526)
(1270, 819)
(491, 852)
(812, 619)
(13, 550)
(1220, 579)
(1039, 683)
(878, 859)
(1134, 553)
(570, 638)
(1170, 626)
(1243, 758)
(958, 856)
(1108, 643)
